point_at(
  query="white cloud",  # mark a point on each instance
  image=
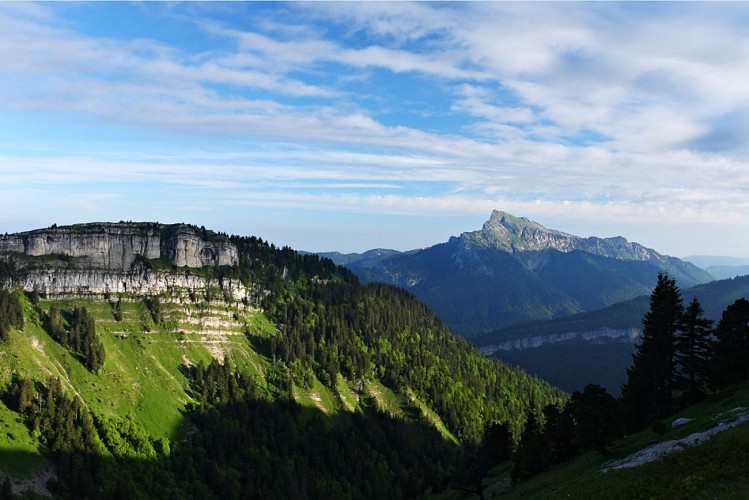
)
(607, 112)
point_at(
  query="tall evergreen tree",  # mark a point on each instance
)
(597, 418)
(731, 359)
(693, 352)
(532, 453)
(497, 444)
(648, 393)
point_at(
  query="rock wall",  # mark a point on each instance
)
(87, 282)
(631, 334)
(118, 246)
(99, 258)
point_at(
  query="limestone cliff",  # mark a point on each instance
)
(118, 246)
(630, 334)
(99, 258)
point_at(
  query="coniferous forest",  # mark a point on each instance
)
(249, 437)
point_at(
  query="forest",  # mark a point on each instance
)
(252, 439)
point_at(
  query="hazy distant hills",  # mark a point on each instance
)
(595, 346)
(515, 270)
(721, 268)
(362, 260)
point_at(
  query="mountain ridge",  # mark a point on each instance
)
(534, 345)
(514, 269)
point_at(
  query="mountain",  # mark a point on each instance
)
(725, 272)
(144, 360)
(706, 261)
(721, 268)
(363, 260)
(595, 346)
(514, 270)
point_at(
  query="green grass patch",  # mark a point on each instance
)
(19, 454)
(318, 397)
(430, 416)
(383, 398)
(259, 324)
(347, 396)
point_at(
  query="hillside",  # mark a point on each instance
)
(515, 270)
(209, 341)
(714, 468)
(595, 346)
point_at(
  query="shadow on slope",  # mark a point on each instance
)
(258, 449)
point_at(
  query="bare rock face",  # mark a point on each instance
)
(100, 258)
(118, 246)
(185, 248)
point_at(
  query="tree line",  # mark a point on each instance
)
(682, 357)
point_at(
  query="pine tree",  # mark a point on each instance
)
(648, 393)
(731, 359)
(497, 445)
(532, 453)
(597, 418)
(693, 352)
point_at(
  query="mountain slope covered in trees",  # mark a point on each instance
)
(595, 346)
(515, 270)
(310, 384)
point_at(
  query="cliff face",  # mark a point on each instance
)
(118, 246)
(100, 258)
(631, 334)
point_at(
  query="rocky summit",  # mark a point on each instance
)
(514, 269)
(513, 234)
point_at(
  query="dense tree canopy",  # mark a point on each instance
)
(11, 313)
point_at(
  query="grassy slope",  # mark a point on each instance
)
(716, 469)
(145, 373)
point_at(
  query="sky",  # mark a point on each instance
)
(355, 125)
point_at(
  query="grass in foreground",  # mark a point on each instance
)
(718, 468)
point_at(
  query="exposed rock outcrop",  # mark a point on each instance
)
(99, 258)
(524, 239)
(630, 334)
(118, 246)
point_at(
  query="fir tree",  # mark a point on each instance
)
(693, 351)
(532, 453)
(731, 359)
(596, 415)
(648, 393)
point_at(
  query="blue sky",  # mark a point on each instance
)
(348, 126)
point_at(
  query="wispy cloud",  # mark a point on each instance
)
(603, 111)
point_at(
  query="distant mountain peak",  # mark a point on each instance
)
(507, 232)
(523, 237)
